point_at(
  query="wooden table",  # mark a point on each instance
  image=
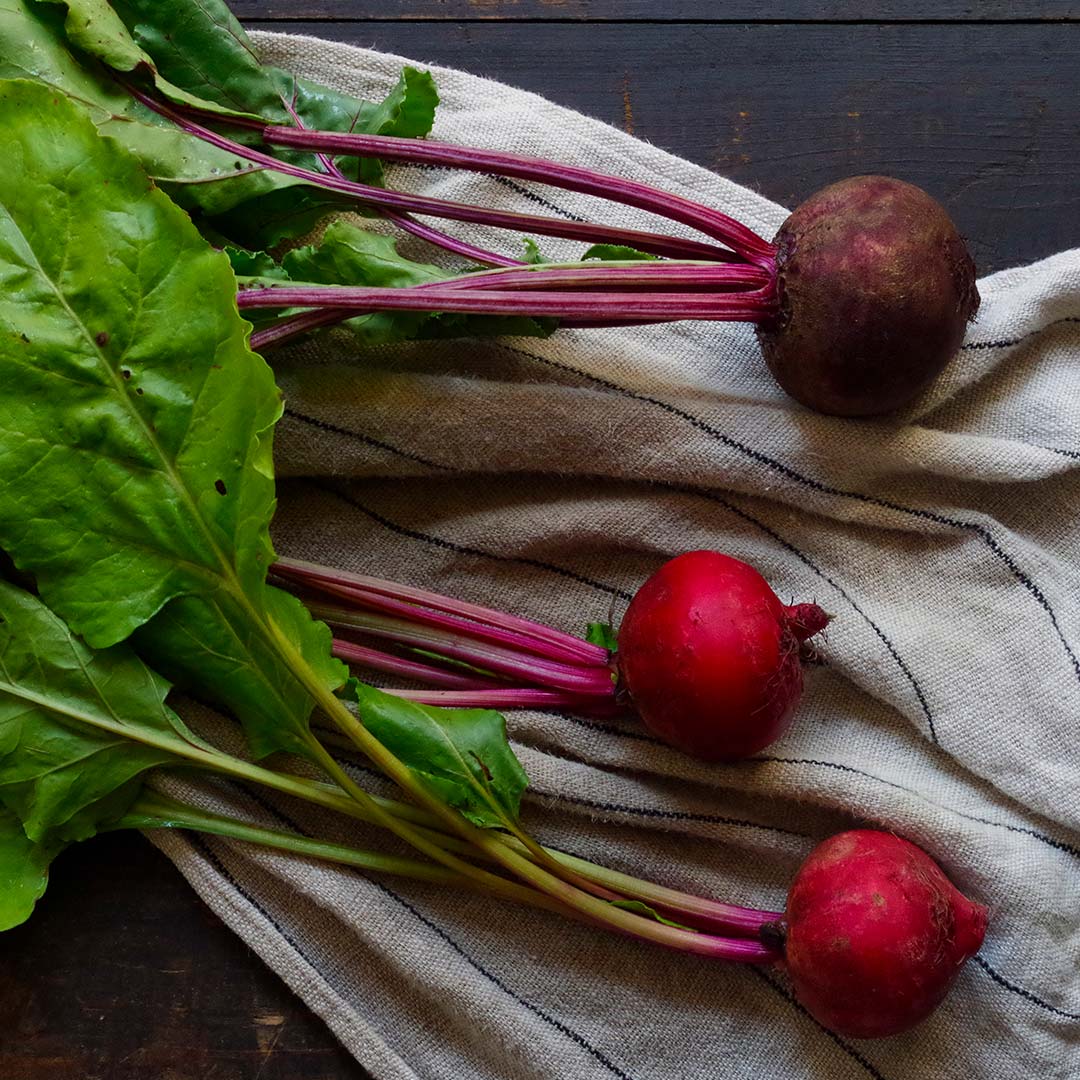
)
(123, 974)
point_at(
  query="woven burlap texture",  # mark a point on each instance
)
(550, 478)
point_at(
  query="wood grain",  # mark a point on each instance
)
(984, 117)
(124, 974)
(660, 11)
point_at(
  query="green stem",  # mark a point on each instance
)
(153, 811)
(592, 907)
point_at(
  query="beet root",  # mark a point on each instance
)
(876, 288)
(876, 934)
(710, 657)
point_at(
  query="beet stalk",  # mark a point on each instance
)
(707, 655)
(860, 300)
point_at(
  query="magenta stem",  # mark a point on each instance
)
(601, 275)
(522, 697)
(448, 242)
(389, 664)
(655, 275)
(654, 243)
(574, 650)
(731, 307)
(535, 670)
(720, 226)
(294, 325)
(403, 221)
(455, 624)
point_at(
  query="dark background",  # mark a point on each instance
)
(123, 974)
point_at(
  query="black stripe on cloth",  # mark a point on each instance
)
(435, 928)
(1020, 991)
(1064, 453)
(323, 425)
(796, 1004)
(463, 549)
(1006, 343)
(643, 736)
(613, 808)
(667, 815)
(1059, 845)
(503, 181)
(602, 1058)
(820, 486)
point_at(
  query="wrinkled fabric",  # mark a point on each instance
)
(549, 478)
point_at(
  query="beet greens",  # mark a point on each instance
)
(859, 301)
(136, 465)
(127, 381)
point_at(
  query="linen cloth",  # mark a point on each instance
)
(550, 477)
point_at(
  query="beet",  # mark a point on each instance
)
(876, 934)
(876, 289)
(710, 657)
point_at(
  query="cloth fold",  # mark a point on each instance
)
(550, 477)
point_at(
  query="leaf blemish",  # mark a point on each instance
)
(102, 338)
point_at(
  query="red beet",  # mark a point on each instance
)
(876, 288)
(876, 934)
(711, 658)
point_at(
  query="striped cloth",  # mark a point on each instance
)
(550, 478)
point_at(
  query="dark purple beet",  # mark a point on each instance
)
(876, 289)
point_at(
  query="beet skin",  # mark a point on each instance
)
(876, 934)
(876, 287)
(711, 658)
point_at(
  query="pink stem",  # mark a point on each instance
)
(730, 307)
(582, 681)
(664, 274)
(403, 221)
(294, 325)
(718, 225)
(495, 698)
(654, 243)
(362, 656)
(653, 275)
(448, 242)
(320, 577)
(455, 624)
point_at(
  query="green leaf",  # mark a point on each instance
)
(349, 255)
(461, 755)
(641, 908)
(255, 266)
(618, 253)
(533, 254)
(94, 27)
(78, 728)
(33, 44)
(202, 49)
(24, 871)
(407, 112)
(136, 470)
(604, 635)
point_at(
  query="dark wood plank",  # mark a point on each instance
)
(124, 974)
(984, 117)
(660, 11)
